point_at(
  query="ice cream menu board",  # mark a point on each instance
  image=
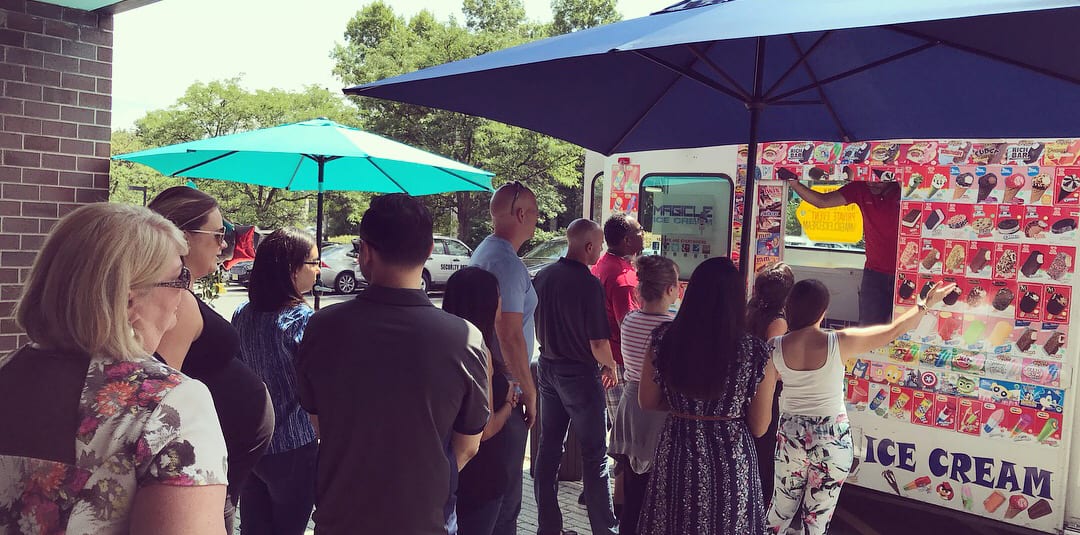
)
(625, 179)
(768, 234)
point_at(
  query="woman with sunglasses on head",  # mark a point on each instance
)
(204, 345)
(98, 436)
(814, 450)
(278, 496)
(473, 294)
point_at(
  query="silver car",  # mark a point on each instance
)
(340, 270)
(447, 256)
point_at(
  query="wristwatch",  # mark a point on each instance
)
(921, 303)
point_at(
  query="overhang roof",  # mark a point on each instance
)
(107, 6)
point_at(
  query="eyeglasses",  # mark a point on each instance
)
(182, 282)
(518, 186)
(217, 234)
(311, 262)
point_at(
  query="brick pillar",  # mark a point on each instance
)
(56, 108)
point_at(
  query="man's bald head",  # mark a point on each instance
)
(585, 241)
(514, 213)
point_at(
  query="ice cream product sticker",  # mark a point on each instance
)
(1056, 303)
(1041, 184)
(933, 219)
(1023, 153)
(1061, 263)
(1053, 342)
(858, 391)
(1030, 305)
(1067, 186)
(924, 405)
(1015, 183)
(907, 289)
(1062, 221)
(900, 403)
(1040, 372)
(970, 419)
(957, 220)
(979, 259)
(1006, 262)
(1001, 296)
(976, 296)
(945, 412)
(999, 391)
(1061, 152)
(953, 301)
(983, 221)
(1009, 222)
(911, 217)
(1001, 366)
(920, 153)
(1034, 261)
(931, 256)
(950, 328)
(962, 184)
(953, 152)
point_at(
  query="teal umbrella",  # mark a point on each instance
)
(317, 155)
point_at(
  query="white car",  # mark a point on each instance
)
(339, 269)
(447, 256)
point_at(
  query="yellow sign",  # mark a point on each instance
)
(842, 224)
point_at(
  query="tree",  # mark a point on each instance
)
(574, 15)
(223, 107)
(129, 182)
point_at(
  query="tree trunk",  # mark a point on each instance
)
(464, 214)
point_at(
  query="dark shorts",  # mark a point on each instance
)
(876, 297)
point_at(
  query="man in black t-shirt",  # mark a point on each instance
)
(398, 387)
(572, 327)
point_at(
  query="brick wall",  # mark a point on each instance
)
(56, 107)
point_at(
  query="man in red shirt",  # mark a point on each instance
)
(879, 203)
(625, 239)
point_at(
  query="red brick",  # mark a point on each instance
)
(22, 158)
(104, 118)
(42, 110)
(105, 21)
(95, 36)
(24, 22)
(15, 5)
(101, 180)
(95, 68)
(42, 9)
(9, 71)
(24, 56)
(61, 162)
(8, 325)
(8, 208)
(79, 50)
(12, 38)
(76, 115)
(77, 179)
(39, 209)
(43, 42)
(9, 140)
(21, 90)
(105, 53)
(92, 165)
(76, 147)
(59, 128)
(35, 75)
(9, 242)
(46, 177)
(75, 81)
(12, 106)
(41, 143)
(61, 29)
(95, 133)
(91, 195)
(57, 194)
(23, 192)
(104, 85)
(25, 125)
(94, 100)
(10, 292)
(33, 242)
(59, 96)
(80, 17)
(61, 63)
(102, 150)
(46, 225)
(18, 225)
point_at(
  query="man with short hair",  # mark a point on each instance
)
(572, 326)
(513, 216)
(397, 386)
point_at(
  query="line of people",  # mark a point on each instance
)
(152, 413)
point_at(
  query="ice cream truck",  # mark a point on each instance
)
(973, 411)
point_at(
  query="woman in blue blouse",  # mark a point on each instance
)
(279, 495)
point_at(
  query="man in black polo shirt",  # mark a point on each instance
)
(572, 327)
(398, 386)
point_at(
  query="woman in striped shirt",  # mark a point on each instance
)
(635, 431)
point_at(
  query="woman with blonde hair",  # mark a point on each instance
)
(100, 437)
(205, 346)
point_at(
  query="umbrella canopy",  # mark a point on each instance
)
(745, 71)
(316, 155)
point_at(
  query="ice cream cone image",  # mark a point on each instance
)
(913, 184)
(1039, 185)
(1013, 185)
(1017, 503)
(1069, 184)
(939, 181)
(961, 184)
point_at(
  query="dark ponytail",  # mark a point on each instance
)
(808, 300)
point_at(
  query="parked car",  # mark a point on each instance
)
(240, 273)
(544, 255)
(340, 270)
(447, 256)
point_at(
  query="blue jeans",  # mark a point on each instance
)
(479, 519)
(571, 392)
(510, 506)
(278, 495)
(875, 297)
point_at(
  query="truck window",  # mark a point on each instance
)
(687, 217)
(824, 234)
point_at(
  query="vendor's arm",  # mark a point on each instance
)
(831, 199)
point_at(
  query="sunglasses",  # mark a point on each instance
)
(182, 282)
(217, 234)
(518, 186)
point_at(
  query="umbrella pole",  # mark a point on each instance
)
(318, 229)
(754, 106)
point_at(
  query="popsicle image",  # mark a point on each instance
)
(914, 182)
(1017, 503)
(1068, 186)
(965, 496)
(1021, 425)
(1054, 343)
(1040, 509)
(1032, 264)
(993, 502)
(973, 333)
(891, 480)
(876, 403)
(907, 289)
(1039, 185)
(898, 407)
(921, 410)
(1001, 332)
(987, 183)
(1002, 299)
(1059, 266)
(951, 297)
(1048, 429)
(1026, 339)
(979, 260)
(939, 181)
(993, 421)
(919, 483)
(1013, 185)
(1029, 302)
(970, 420)
(963, 181)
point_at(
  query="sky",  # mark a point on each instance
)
(162, 48)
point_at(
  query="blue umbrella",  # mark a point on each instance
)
(317, 155)
(705, 73)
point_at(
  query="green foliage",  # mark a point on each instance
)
(126, 175)
(573, 15)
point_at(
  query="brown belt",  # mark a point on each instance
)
(704, 418)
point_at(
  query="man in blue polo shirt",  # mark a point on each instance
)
(513, 216)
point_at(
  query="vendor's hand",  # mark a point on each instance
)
(609, 378)
(512, 395)
(938, 292)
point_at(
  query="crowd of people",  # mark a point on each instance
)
(385, 414)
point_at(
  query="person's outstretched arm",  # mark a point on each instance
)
(857, 340)
(831, 199)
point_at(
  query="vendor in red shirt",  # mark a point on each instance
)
(879, 203)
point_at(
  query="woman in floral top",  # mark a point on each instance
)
(98, 436)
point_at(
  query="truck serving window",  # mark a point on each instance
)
(687, 217)
(833, 229)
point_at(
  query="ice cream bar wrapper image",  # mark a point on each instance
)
(1040, 509)
(993, 502)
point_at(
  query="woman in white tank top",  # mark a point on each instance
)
(814, 449)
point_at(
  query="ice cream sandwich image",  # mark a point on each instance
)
(1008, 226)
(911, 219)
(934, 219)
